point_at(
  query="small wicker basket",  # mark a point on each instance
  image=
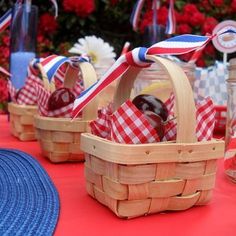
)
(140, 179)
(59, 138)
(22, 121)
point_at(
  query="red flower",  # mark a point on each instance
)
(210, 50)
(190, 9)
(197, 19)
(3, 90)
(206, 5)
(4, 53)
(6, 40)
(233, 6)
(80, 7)
(47, 23)
(191, 15)
(182, 18)
(184, 29)
(147, 18)
(162, 15)
(209, 25)
(113, 2)
(217, 3)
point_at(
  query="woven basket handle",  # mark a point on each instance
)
(89, 76)
(185, 106)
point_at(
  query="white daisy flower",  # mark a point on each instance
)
(100, 52)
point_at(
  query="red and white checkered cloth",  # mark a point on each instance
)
(101, 126)
(205, 119)
(27, 94)
(129, 125)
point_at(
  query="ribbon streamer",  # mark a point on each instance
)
(52, 63)
(5, 20)
(171, 22)
(136, 13)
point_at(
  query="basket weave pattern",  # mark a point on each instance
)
(139, 179)
(60, 138)
(134, 190)
(22, 121)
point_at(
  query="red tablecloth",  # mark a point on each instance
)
(81, 215)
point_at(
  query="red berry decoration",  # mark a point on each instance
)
(60, 98)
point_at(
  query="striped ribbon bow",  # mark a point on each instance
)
(137, 57)
(137, 9)
(52, 63)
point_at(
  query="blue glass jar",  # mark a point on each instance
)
(23, 41)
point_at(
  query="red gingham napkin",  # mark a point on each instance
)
(129, 125)
(205, 119)
(101, 126)
(27, 94)
(205, 116)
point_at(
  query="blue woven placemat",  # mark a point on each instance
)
(29, 201)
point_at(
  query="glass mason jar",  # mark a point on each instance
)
(230, 135)
(153, 34)
(23, 41)
(155, 81)
(106, 96)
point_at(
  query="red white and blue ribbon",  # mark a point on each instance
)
(171, 22)
(52, 63)
(137, 57)
(5, 20)
(135, 15)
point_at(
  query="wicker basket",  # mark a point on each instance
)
(59, 138)
(135, 180)
(22, 121)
